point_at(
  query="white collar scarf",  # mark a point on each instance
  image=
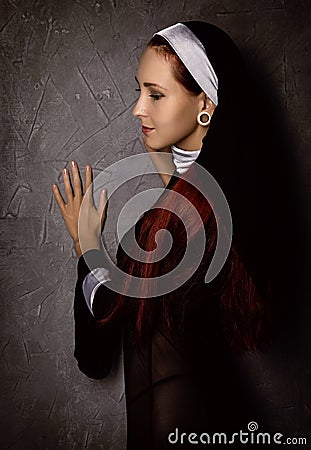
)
(183, 159)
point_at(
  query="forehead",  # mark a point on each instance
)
(154, 67)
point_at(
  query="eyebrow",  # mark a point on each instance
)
(146, 84)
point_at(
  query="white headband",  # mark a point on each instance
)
(192, 53)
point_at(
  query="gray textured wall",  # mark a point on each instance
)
(67, 72)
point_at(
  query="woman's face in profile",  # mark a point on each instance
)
(166, 109)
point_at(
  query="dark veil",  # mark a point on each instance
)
(246, 149)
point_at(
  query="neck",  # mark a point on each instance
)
(193, 141)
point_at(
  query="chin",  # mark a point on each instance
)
(156, 146)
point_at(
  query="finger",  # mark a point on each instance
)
(88, 177)
(58, 197)
(88, 200)
(67, 184)
(76, 181)
(102, 205)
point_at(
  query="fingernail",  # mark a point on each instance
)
(65, 171)
(88, 167)
(72, 163)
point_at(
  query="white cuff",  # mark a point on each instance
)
(91, 283)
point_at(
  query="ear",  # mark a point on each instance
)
(206, 104)
(201, 101)
(209, 105)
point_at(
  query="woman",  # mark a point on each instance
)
(180, 374)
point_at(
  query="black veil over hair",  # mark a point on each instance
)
(232, 140)
(246, 151)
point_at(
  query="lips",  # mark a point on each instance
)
(146, 130)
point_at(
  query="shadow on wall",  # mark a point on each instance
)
(281, 228)
(278, 234)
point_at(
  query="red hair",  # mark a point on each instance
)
(241, 305)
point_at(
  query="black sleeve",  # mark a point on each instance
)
(95, 345)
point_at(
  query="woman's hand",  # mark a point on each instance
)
(83, 220)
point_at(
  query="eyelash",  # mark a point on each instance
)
(154, 96)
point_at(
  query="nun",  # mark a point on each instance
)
(183, 327)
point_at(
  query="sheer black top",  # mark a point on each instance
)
(176, 381)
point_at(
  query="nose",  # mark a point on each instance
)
(138, 110)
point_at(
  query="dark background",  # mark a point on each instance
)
(67, 90)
